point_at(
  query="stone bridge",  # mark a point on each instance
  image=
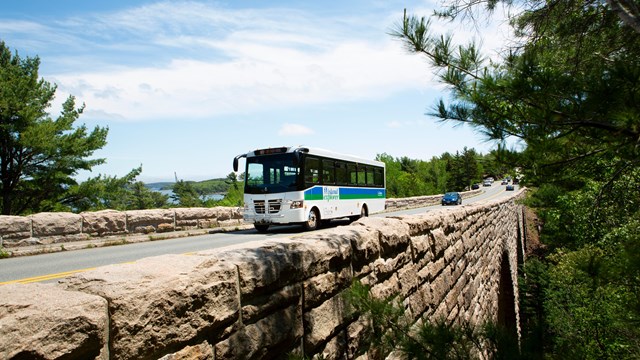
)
(264, 300)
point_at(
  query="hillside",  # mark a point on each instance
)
(212, 186)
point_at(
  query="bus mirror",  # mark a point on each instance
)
(235, 161)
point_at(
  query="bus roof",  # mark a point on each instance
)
(314, 151)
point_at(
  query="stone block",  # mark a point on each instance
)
(323, 321)
(394, 234)
(419, 301)
(163, 302)
(202, 351)
(52, 224)
(14, 227)
(146, 218)
(261, 340)
(320, 288)
(43, 321)
(439, 242)
(104, 222)
(409, 279)
(256, 307)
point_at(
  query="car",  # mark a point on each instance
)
(475, 187)
(486, 183)
(451, 198)
(504, 182)
(510, 187)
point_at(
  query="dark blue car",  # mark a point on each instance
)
(451, 198)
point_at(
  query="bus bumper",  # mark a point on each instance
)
(291, 217)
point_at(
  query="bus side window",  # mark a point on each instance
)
(342, 177)
(312, 170)
(370, 180)
(328, 172)
(378, 177)
(353, 174)
(361, 175)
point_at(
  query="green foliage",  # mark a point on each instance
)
(588, 303)
(583, 301)
(593, 296)
(205, 187)
(235, 192)
(38, 155)
(533, 284)
(4, 253)
(110, 192)
(185, 194)
(410, 177)
(385, 321)
(569, 90)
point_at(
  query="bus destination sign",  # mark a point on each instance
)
(280, 150)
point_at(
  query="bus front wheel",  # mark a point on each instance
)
(261, 227)
(312, 221)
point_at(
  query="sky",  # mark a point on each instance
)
(185, 86)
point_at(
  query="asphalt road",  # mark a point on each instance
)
(53, 266)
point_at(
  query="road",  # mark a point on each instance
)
(52, 266)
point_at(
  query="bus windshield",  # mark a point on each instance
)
(272, 174)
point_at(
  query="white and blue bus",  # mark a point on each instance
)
(308, 186)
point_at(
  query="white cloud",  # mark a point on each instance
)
(294, 130)
(178, 60)
(258, 78)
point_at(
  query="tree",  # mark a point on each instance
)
(569, 90)
(38, 155)
(469, 161)
(110, 192)
(235, 192)
(186, 195)
(411, 177)
(393, 171)
(144, 198)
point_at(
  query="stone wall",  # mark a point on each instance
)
(266, 299)
(50, 228)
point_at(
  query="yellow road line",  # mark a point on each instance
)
(496, 194)
(54, 276)
(45, 277)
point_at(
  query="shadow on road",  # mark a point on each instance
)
(291, 229)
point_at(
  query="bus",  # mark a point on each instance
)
(309, 186)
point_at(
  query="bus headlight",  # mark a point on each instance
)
(297, 204)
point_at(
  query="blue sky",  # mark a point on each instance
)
(184, 86)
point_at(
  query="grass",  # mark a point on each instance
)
(122, 241)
